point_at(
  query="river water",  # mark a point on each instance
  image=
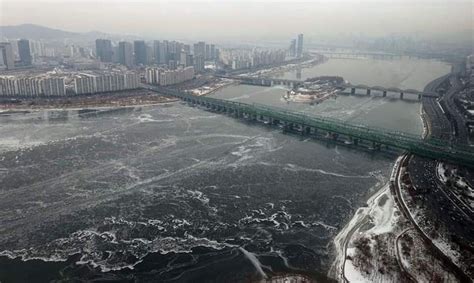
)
(174, 193)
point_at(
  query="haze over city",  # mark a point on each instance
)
(246, 20)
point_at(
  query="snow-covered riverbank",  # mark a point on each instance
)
(377, 245)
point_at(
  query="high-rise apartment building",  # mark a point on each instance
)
(208, 52)
(213, 52)
(199, 63)
(164, 77)
(6, 55)
(156, 51)
(32, 86)
(292, 50)
(24, 51)
(200, 49)
(189, 60)
(299, 50)
(125, 53)
(139, 48)
(103, 49)
(89, 83)
(164, 52)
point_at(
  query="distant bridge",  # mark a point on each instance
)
(357, 55)
(332, 128)
(261, 81)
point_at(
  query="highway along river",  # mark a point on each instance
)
(174, 193)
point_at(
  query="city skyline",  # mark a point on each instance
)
(256, 19)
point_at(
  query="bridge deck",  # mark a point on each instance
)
(268, 82)
(431, 148)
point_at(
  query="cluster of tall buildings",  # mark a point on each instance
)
(7, 57)
(171, 54)
(296, 47)
(163, 77)
(24, 52)
(241, 59)
(51, 85)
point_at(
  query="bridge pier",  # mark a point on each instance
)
(401, 95)
(384, 93)
(287, 127)
(353, 90)
(356, 141)
(332, 136)
(376, 146)
(419, 96)
(368, 91)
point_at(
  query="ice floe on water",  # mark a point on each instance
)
(149, 118)
(255, 262)
(296, 168)
(11, 143)
(155, 187)
(120, 252)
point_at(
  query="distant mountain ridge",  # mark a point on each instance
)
(37, 32)
(31, 31)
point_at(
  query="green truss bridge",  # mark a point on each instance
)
(339, 130)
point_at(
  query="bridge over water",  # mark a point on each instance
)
(357, 55)
(368, 90)
(334, 129)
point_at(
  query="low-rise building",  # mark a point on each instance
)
(38, 86)
(164, 77)
(98, 82)
(55, 83)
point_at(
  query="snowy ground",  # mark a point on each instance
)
(419, 262)
(205, 90)
(363, 253)
(380, 245)
(458, 184)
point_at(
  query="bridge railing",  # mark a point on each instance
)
(432, 148)
(301, 116)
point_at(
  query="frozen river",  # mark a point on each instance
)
(176, 193)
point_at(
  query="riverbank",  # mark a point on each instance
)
(377, 243)
(110, 100)
(209, 89)
(289, 67)
(380, 244)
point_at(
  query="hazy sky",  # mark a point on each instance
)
(243, 19)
